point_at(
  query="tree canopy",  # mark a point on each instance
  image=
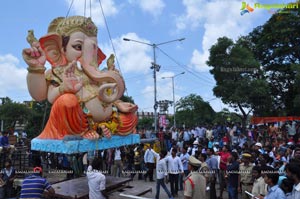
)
(239, 79)
(260, 72)
(276, 45)
(11, 112)
(192, 110)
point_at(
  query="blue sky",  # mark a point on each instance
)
(201, 22)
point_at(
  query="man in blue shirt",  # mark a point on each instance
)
(274, 191)
(184, 157)
(4, 144)
(212, 163)
(232, 175)
(34, 185)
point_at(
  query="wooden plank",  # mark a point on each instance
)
(137, 191)
(78, 187)
(131, 196)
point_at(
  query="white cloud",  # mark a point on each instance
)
(198, 60)
(153, 7)
(218, 18)
(109, 9)
(132, 56)
(13, 78)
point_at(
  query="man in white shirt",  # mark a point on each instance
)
(96, 180)
(149, 161)
(175, 168)
(118, 164)
(174, 135)
(24, 135)
(161, 172)
(291, 127)
(259, 186)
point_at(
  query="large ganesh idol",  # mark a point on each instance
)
(85, 100)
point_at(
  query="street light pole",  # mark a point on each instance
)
(173, 88)
(174, 122)
(155, 68)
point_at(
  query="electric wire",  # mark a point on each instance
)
(186, 68)
(207, 81)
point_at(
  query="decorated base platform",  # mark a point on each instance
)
(82, 145)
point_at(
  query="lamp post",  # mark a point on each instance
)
(172, 77)
(155, 68)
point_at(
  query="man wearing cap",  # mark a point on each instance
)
(34, 185)
(245, 175)
(258, 147)
(195, 148)
(195, 183)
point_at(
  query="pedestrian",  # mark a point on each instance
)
(184, 157)
(246, 182)
(259, 185)
(274, 191)
(224, 155)
(8, 176)
(292, 171)
(232, 175)
(85, 162)
(117, 167)
(5, 146)
(195, 183)
(175, 168)
(138, 162)
(150, 163)
(96, 180)
(161, 173)
(287, 188)
(212, 163)
(33, 186)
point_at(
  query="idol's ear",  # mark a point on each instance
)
(100, 56)
(52, 45)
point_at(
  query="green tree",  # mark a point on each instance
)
(276, 45)
(13, 112)
(126, 98)
(192, 110)
(145, 123)
(239, 80)
(39, 114)
(225, 116)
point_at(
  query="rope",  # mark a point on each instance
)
(84, 8)
(69, 8)
(91, 8)
(113, 47)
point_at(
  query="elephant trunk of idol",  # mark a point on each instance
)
(112, 85)
(112, 88)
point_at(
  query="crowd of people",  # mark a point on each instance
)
(201, 162)
(259, 162)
